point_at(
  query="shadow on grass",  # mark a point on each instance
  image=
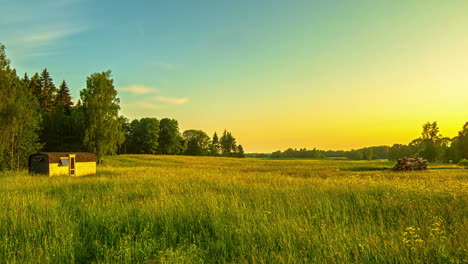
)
(365, 169)
(390, 168)
(445, 168)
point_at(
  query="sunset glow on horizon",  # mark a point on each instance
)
(277, 74)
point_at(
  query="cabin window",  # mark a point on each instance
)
(63, 161)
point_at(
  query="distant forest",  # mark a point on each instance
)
(35, 116)
(431, 146)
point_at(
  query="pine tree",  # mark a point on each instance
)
(35, 86)
(215, 145)
(48, 92)
(63, 99)
(228, 144)
(233, 144)
(224, 143)
(26, 80)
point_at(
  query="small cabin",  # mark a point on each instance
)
(63, 163)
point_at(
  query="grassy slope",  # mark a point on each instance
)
(166, 209)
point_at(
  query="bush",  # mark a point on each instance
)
(463, 162)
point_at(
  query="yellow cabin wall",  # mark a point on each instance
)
(81, 169)
(56, 170)
(85, 168)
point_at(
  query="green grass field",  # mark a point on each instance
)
(172, 209)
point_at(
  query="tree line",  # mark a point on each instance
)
(36, 115)
(153, 136)
(431, 145)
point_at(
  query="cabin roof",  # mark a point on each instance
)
(54, 157)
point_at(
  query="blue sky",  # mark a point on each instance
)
(276, 73)
(166, 45)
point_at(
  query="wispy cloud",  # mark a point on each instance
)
(24, 26)
(34, 54)
(147, 96)
(171, 100)
(138, 89)
(50, 35)
(45, 36)
(141, 105)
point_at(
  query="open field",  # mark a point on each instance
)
(173, 209)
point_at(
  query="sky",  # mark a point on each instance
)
(331, 74)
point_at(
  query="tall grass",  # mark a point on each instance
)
(168, 209)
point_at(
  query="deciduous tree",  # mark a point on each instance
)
(240, 152)
(169, 137)
(103, 126)
(144, 134)
(463, 141)
(19, 118)
(198, 142)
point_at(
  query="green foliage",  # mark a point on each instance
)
(59, 130)
(369, 154)
(430, 131)
(103, 126)
(463, 162)
(355, 155)
(47, 92)
(228, 144)
(144, 134)
(240, 152)
(19, 118)
(126, 146)
(63, 98)
(173, 209)
(25, 81)
(36, 115)
(215, 147)
(299, 154)
(169, 137)
(62, 131)
(452, 153)
(399, 151)
(431, 145)
(463, 141)
(198, 142)
(35, 86)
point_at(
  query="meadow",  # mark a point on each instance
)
(175, 209)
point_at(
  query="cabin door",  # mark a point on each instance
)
(72, 165)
